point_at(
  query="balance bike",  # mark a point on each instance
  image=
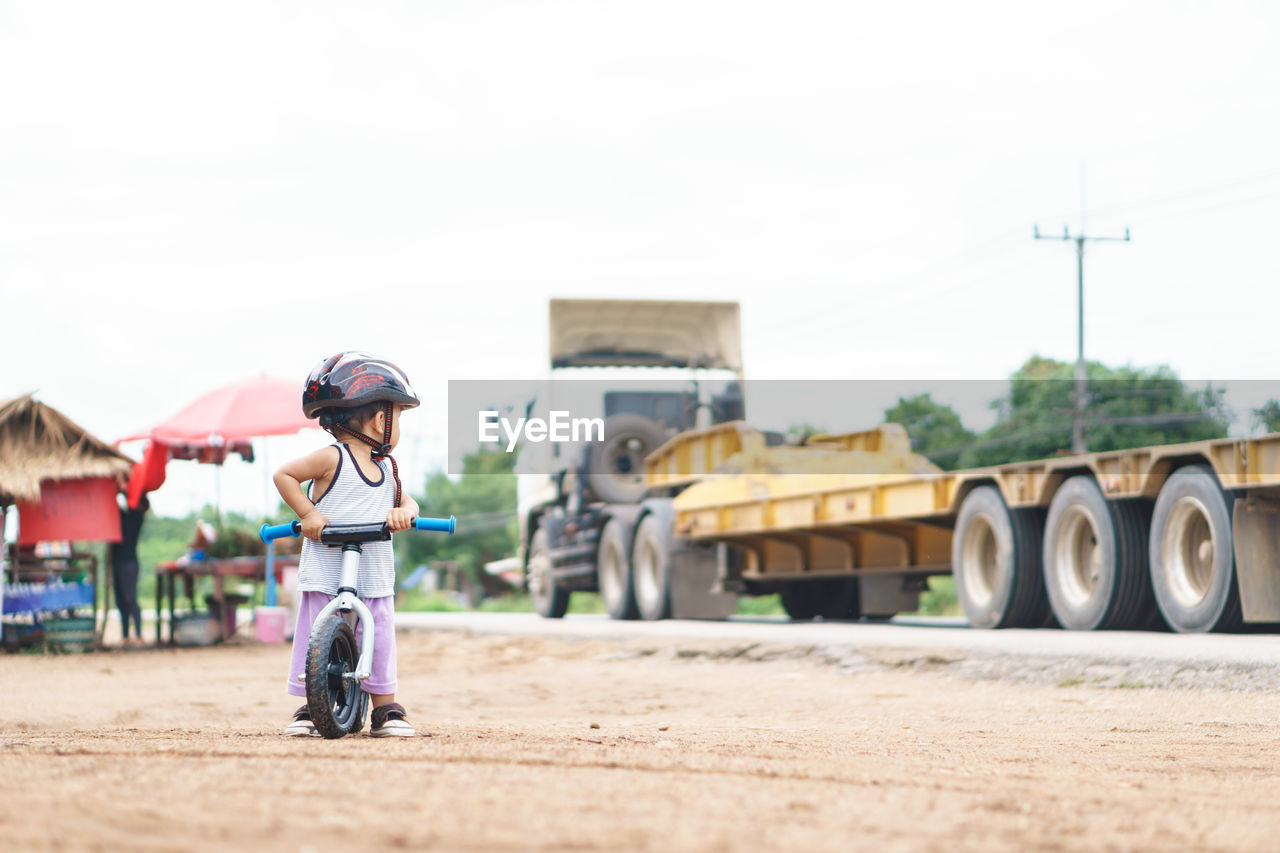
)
(335, 668)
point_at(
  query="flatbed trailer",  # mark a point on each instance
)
(1183, 535)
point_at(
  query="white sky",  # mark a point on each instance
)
(192, 194)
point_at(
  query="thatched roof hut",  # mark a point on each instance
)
(39, 443)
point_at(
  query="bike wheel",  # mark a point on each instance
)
(333, 699)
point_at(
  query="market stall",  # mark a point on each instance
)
(63, 482)
(220, 423)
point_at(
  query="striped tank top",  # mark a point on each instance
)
(351, 499)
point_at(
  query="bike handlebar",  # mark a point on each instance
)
(354, 532)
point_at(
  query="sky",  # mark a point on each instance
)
(192, 194)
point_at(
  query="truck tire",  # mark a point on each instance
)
(831, 599)
(615, 466)
(613, 571)
(651, 567)
(1095, 559)
(549, 599)
(995, 557)
(1193, 567)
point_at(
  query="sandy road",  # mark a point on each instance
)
(702, 744)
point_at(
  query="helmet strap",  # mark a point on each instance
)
(379, 451)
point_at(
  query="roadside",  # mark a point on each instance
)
(1127, 659)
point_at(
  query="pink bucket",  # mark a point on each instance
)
(269, 623)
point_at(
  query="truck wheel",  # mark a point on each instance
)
(615, 466)
(549, 599)
(613, 571)
(1095, 559)
(651, 562)
(995, 556)
(1193, 570)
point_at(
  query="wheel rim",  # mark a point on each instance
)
(980, 559)
(344, 692)
(1189, 551)
(647, 571)
(611, 573)
(1078, 556)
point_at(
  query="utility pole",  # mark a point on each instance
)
(1077, 418)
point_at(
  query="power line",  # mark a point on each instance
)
(1168, 198)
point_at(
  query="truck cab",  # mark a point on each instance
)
(648, 370)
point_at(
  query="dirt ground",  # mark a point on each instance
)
(548, 744)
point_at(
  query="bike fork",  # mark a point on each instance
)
(345, 602)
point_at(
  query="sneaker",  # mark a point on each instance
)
(301, 725)
(389, 721)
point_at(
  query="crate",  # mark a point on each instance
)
(197, 628)
(74, 634)
(21, 635)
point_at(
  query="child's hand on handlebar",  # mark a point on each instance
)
(312, 523)
(400, 518)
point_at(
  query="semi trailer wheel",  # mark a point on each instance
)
(550, 600)
(614, 573)
(615, 466)
(996, 560)
(1193, 570)
(1095, 559)
(651, 568)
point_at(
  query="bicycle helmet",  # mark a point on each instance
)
(350, 380)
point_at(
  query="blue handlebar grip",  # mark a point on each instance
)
(444, 525)
(268, 532)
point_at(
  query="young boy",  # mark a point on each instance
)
(358, 399)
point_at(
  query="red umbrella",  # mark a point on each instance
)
(242, 410)
(218, 423)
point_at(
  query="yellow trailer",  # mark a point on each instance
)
(1187, 535)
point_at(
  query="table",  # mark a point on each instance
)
(167, 574)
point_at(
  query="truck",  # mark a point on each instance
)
(1181, 536)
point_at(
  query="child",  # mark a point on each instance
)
(358, 399)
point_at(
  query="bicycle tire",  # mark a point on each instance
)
(334, 702)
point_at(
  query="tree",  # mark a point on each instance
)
(1124, 407)
(484, 500)
(1267, 416)
(935, 429)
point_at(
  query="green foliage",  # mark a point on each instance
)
(1267, 416)
(1125, 407)
(415, 601)
(761, 605)
(940, 599)
(519, 602)
(484, 500)
(935, 429)
(801, 432)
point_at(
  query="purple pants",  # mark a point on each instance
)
(382, 680)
